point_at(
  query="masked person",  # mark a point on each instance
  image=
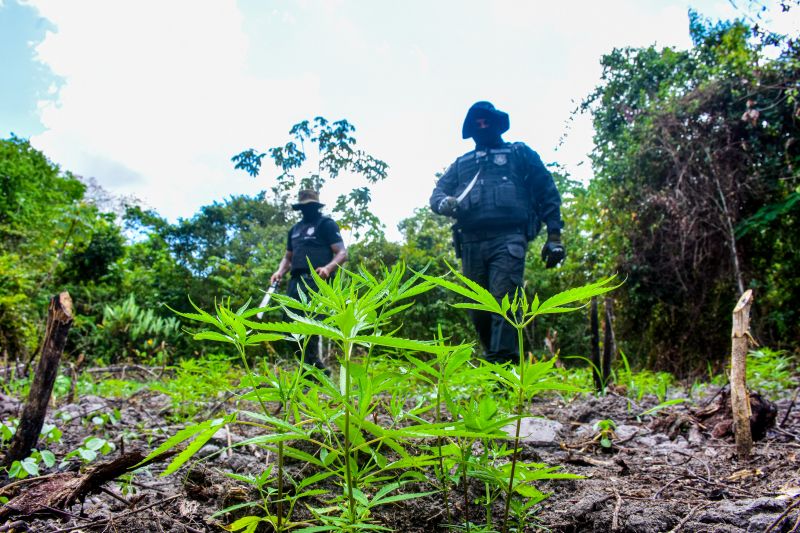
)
(499, 194)
(315, 239)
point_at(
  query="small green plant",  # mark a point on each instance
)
(197, 381)
(7, 430)
(635, 383)
(49, 434)
(772, 371)
(102, 420)
(30, 465)
(109, 387)
(644, 381)
(604, 434)
(89, 450)
(131, 332)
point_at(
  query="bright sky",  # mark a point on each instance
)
(152, 98)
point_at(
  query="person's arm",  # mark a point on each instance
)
(547, 202)
(286, 262)
(284, 267)
(544, 194)
(339, 257)
(330, 234)
(442, 200)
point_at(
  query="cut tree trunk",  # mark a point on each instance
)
(597, 366)
(59, 320)
(740, 399)
(46, 495)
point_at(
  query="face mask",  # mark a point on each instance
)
(487, 137)
(309, 211)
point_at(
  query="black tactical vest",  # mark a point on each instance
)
(500, 197)
(306, 243)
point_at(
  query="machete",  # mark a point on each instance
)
(267, 298)
(469, 187)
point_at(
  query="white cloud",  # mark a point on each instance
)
(159, 95)
(157, 99)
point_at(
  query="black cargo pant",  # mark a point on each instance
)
(302, 282)
(496, 261)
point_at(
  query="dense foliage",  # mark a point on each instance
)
(696, 168)
(695, 198)
(44, 223)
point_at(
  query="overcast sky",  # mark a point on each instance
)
(152, 98)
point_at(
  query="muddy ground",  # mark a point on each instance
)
(665, 472)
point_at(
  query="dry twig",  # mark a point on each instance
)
(615, 516)
(123, 515)
(783, 516)
(688, 516)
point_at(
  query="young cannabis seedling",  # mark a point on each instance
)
(525, 379)
(605, 434)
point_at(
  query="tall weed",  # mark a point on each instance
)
(370, 426)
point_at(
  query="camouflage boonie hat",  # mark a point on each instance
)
(307, 197)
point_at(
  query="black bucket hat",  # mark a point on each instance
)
(497, 119)
(307, 197)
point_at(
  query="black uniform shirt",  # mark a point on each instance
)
(328, 233)
(544, 195)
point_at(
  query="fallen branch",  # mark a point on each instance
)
(123, 515)
(61, 490)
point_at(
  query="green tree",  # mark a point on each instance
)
(42, 218)
(692, 150)
(320, 151)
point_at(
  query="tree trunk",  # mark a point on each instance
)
(59, 320)
(597, 366)
(609, 343)
(740, 399)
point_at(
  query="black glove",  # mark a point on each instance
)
(448, 206)
(553, 252)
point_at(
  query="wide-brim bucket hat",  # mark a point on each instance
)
(498, 119)
(307, 197)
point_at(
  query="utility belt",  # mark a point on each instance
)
(462, 236)
(470, 236)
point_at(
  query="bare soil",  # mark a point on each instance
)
(665, 472)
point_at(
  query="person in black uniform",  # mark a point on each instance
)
(316, 239)
(500, 194)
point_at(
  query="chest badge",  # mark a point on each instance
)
(500, 159)
(310, 231)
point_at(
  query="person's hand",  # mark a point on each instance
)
(448, 206)
(553, 252)
(324, 271)
(275, 278)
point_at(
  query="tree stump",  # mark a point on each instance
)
(59, 320)
(740, 399)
